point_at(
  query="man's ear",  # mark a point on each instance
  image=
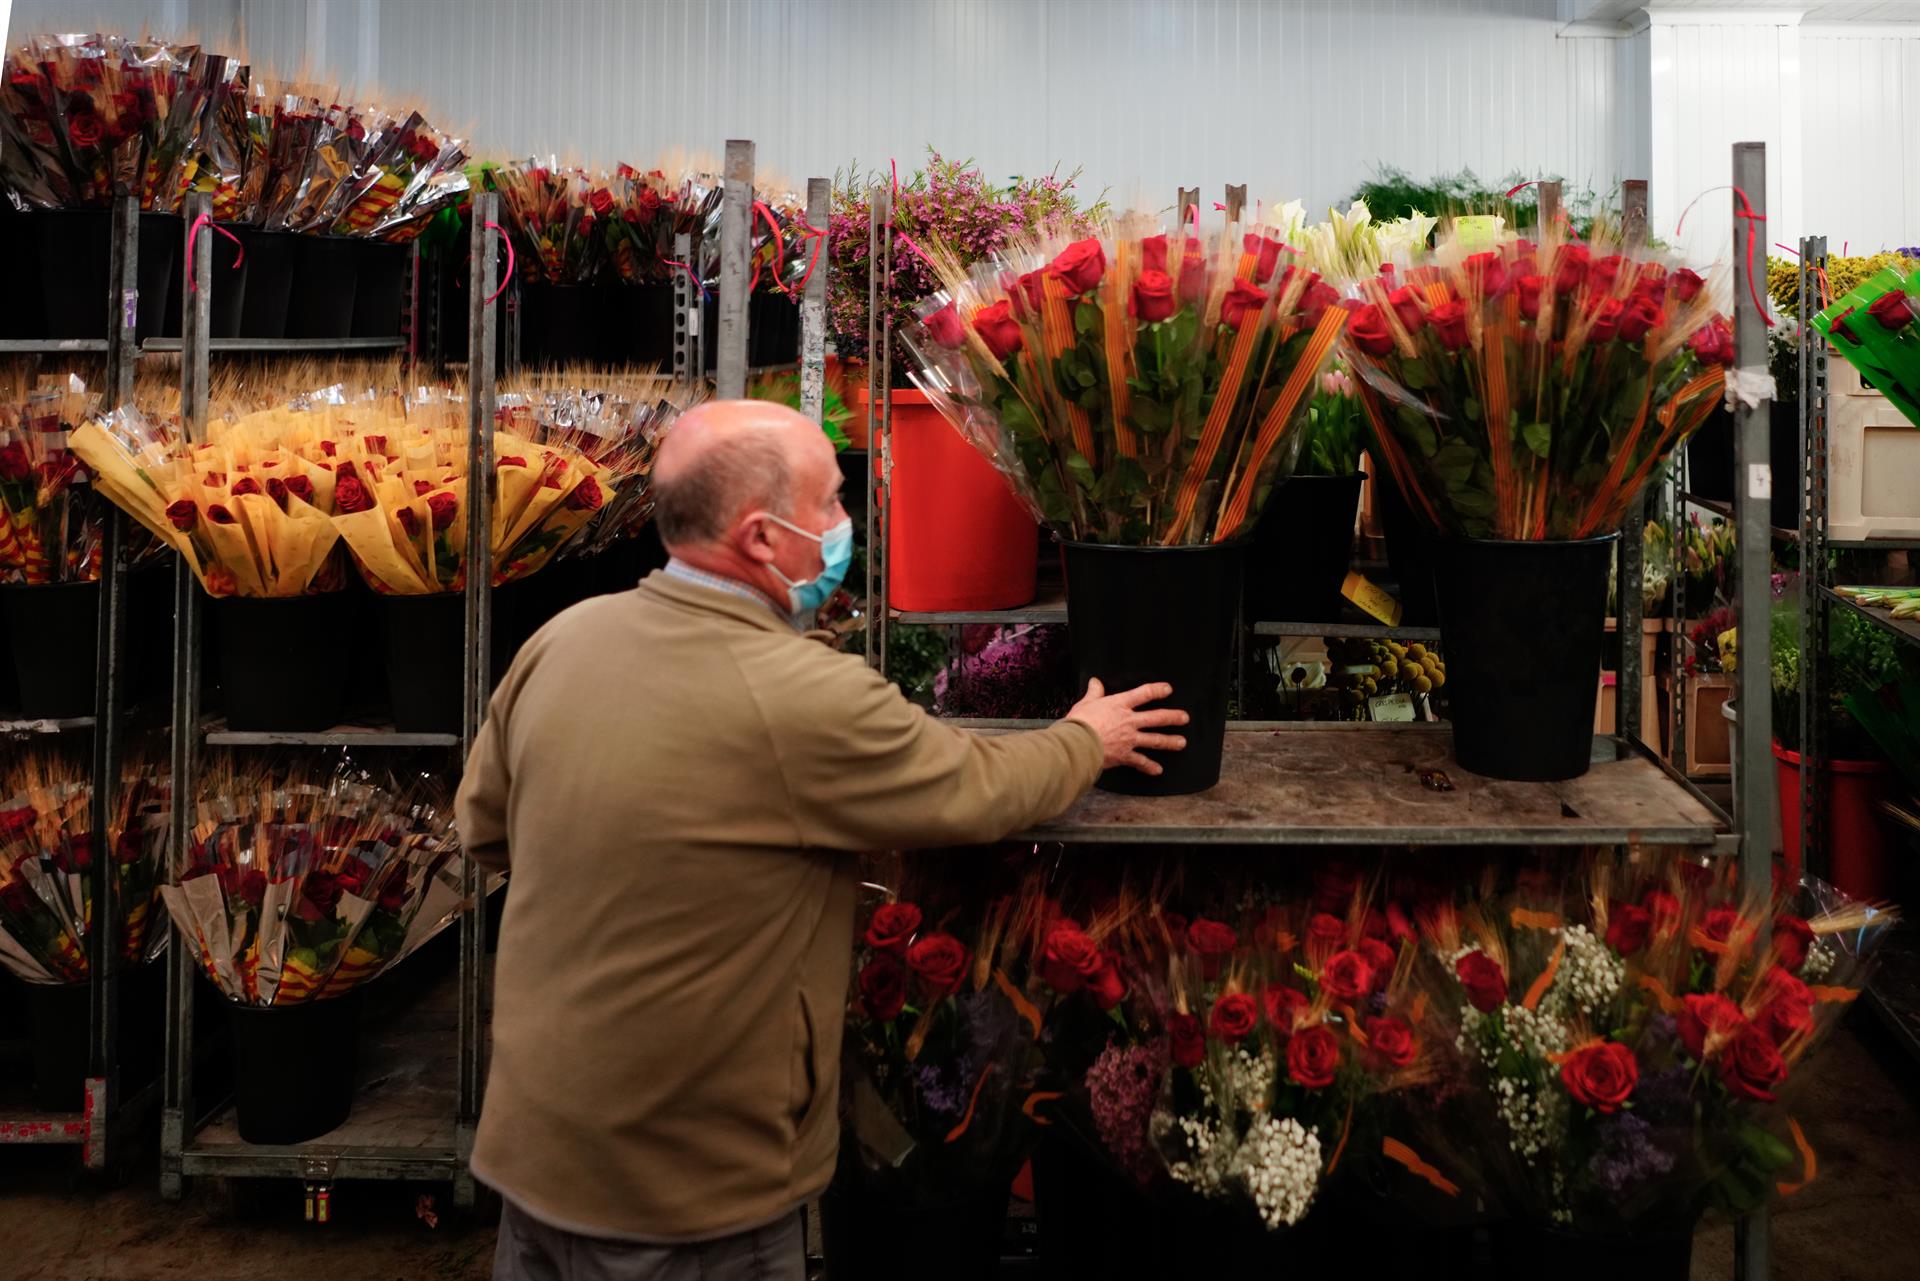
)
(751, 540)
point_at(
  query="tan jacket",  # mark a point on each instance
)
(678, 776)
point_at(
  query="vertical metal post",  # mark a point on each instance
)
(177, 1116)
(1633, 566)
(1753, 804)
(410, 310)
(813, 305)
(736, 254)
(1677, 670)
(1814, 606)
(1549, 207)
(688, 368)
(879, 417)
(476, 668)
(1236, 201)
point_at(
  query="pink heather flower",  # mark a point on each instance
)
(1122, 1086)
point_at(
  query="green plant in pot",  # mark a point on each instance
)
(1142, 393)
(1520, 395)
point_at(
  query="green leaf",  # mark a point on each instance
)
(1149, 415)
(1538, 437)
(1082, 469)
(1086, 319)
(1418, 431)
(1473, 410)
(1416, 375)
(1766, 1150)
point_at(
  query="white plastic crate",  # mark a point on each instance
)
(1873, 464)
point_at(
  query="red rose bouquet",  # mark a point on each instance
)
(298, 886)
(1624, 1043)
(47, 849)
(52, 525)
(1531, 390)
(1135, 388)
(553, 216)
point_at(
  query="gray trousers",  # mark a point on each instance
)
(529, 1250)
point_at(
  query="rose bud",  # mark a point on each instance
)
(182, 514)
(1242, 300)
(998, 330)
(1153, 253)
(1449, 321)
(1686, 284)
(1080, 266)
(943, 326)
(1153, 299)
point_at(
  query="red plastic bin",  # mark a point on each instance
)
(1856, 840)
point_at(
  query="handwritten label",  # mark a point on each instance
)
(1375, 600)
(1759, 480)
(129, 307)
(1391, 707)
(1476, 232)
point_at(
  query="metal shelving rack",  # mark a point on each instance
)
(1630, 795)
(425, 1136)
(1894, 994)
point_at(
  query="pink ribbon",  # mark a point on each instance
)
(761, 211)
(819, 244)
(508, 241)
(698, 287)
(1752, 220)
(193, 233)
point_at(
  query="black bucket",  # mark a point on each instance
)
(1710, 461)
(773, 329)
(59, 1021)
(1302, 548)
(1141, 614)
(1531, 1250)
(561, 324)
(294, 1067)
(869, 1227)
(149, 669)
(263, 305)
(381, 287)
(53, 632)
(325, 283)
(284, 661)
(226, 302)
(637, 324)
(1522, 627)
(73, 250)
(425, 647)
(1409, 556)
(24, 316)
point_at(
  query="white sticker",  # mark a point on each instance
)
(1759, 480)
(1391, 707)
(693, 322)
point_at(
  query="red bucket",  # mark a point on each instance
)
(957, 536)
(1856, 841)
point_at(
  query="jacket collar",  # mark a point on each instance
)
(710, 600)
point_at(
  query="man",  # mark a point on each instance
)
(677, 776)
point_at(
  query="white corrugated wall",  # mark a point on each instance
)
(1862, 104)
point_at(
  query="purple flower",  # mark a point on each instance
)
(1012, 672)
(1628, 1153)
(1122, 1086)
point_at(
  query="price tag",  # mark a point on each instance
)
(693, 321)
(1391, 707)
(129, 308)
(1375, 600)
(1760, 480)
(1476, 232)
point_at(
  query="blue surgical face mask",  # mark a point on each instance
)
(836, 553)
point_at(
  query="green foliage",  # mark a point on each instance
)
(784, 389)
(1394, 193)
(1892, 719)
(1861, 658)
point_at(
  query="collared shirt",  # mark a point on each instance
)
(731, 586)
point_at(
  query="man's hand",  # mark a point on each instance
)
(1124, 729)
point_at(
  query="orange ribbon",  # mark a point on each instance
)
(1395, 1150)
(1809, 1167)
(1021, 1005)
(1346, 1127)
(1034, 1100)
(1541, 984)
(1838, 995)
(973, 1101)
(1528, 919)
(1667, 1002)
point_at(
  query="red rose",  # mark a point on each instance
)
(86, 130)
(892, 927)
(1033, 290)
(1484, 980)
(245, 485)
(1234, 1017)
(409, 521)
(1752, 1065)
(347, 469)
(511, 460)
(17, 897)
(939, 961)
(394, 898)
(1193, 271)
(1570, 268)
(215, 480)
(1792, 937)
(1642, 316)
(1652, 282)
(1606, 321)
(1687, 284)
(1347, 976)
(1268, 251)
(1601, 1076)
(584, 497)
(1185, 1041)
(1487, 274)
(277, 491)
(14, 463)
(1313, 304)
(1153, 299)
(1390, 1042)
(323, 890)
(376, 444)
(329, 448)
(300, 487)
(1369, 330)
(1068, 958)
(128, 849)
(1283, 1006)
(1628, 927)
(1605, 273)
(1313, 1056)
(1080, 266)
(219, 515)
(1381, 956)
(421, 488)
(1212, 942)
(602, 201)
(1405, 302)
(1449, 321)
(82, 847)
(883, 988)
(1706, 1022)
(1106, 987)
(1153, 253)
(349, 496)
(1664, 909)
(1892, 310)
(182, 514)
(1325, 932)
(1712, 344)
(998, 329)
(944, 327)
(1242, 300)
(1789, 1006)
(1530, 288)
(1720, 922)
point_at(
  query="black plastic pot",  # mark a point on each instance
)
(149, 670)
(1530, 1251)
(73, 251)
(378, 292)
(24, 316)
(773, 329)
(1301, 550)
(1409, 556)
(283, 661)
(53, 634)
(1522, 627)
(293, 1068)
(263, 304)
(1710, 461)
(226, 302)
(424, 646)
(1141, 614)
(868, 1234)
(59, 1025)
(636, 324)
(326, 279)
(561, 324)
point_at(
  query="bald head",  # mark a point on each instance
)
(726, 459)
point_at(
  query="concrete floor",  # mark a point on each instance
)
(1859, 1221)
